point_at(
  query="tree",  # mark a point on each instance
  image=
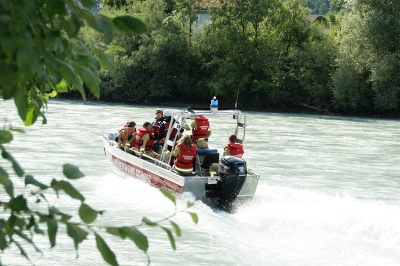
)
(41, 56)
(368, 64)
(313, 63)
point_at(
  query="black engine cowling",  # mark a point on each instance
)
(232, 173)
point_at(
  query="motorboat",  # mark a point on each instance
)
(233, 184)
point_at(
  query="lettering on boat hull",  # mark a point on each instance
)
(142, 174)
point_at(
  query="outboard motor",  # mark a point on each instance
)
(232, 172)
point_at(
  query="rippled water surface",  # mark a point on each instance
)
(329, 192)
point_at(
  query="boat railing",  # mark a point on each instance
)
(154, 161)
(163, 165)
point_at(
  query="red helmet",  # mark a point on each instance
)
(158, 111)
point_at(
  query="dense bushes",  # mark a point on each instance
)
(270, 57)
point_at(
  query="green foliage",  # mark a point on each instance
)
(116, 3)
(24, 220)
(313, 64)
(154, 69)
(368, 64)
(319, 6)
(271, 57)
(48, 41)
(247, 53)
(41, 56)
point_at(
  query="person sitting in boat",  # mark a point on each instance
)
(233, 148)
(185, 154)
(144, 141)
(124, 126)
(126, 136)
(120, 129)
(201, 131)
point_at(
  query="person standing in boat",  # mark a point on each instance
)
(233, 148)
(126, 135)
(185, 154)
(201, 131)
(144, 141)
(158, 120)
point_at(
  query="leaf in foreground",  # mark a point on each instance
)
(194, 216)
(169, 195)
(105, 251)
(136, 236)
(87, 214)
(52, 227)
(5, 180)
(170, 236)
(68, 188)
(177, 228)
(5, 136)
(71, 171)
(30, 180)
(76, 233)
(130, 24)
(3, 241)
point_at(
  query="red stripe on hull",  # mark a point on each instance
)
(143, 174)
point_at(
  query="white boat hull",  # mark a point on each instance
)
(160, 176)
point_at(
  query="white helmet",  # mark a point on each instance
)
(167, 112)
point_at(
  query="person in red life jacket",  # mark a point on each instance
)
(233, 148)
(185, 154)
(144, 141)
(125, 136)
(201, 131)
(120, 129)
(124, 126)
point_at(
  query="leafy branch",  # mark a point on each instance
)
(25, 221)
(41, 56)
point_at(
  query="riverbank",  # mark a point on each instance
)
(304, 109)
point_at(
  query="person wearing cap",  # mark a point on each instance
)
(233, 148)
(158, 120)
(155, 127)
(144, 141)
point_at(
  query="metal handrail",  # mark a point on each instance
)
(154, 160)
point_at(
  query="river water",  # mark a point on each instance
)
(329, 192)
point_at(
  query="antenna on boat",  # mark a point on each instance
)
(237, 96)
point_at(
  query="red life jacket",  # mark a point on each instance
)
(201, 130)
(236, 149)
(121, 128)
(127, 132)
(166, 127)
(139, 139)
(186, 157)
(156, 128)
